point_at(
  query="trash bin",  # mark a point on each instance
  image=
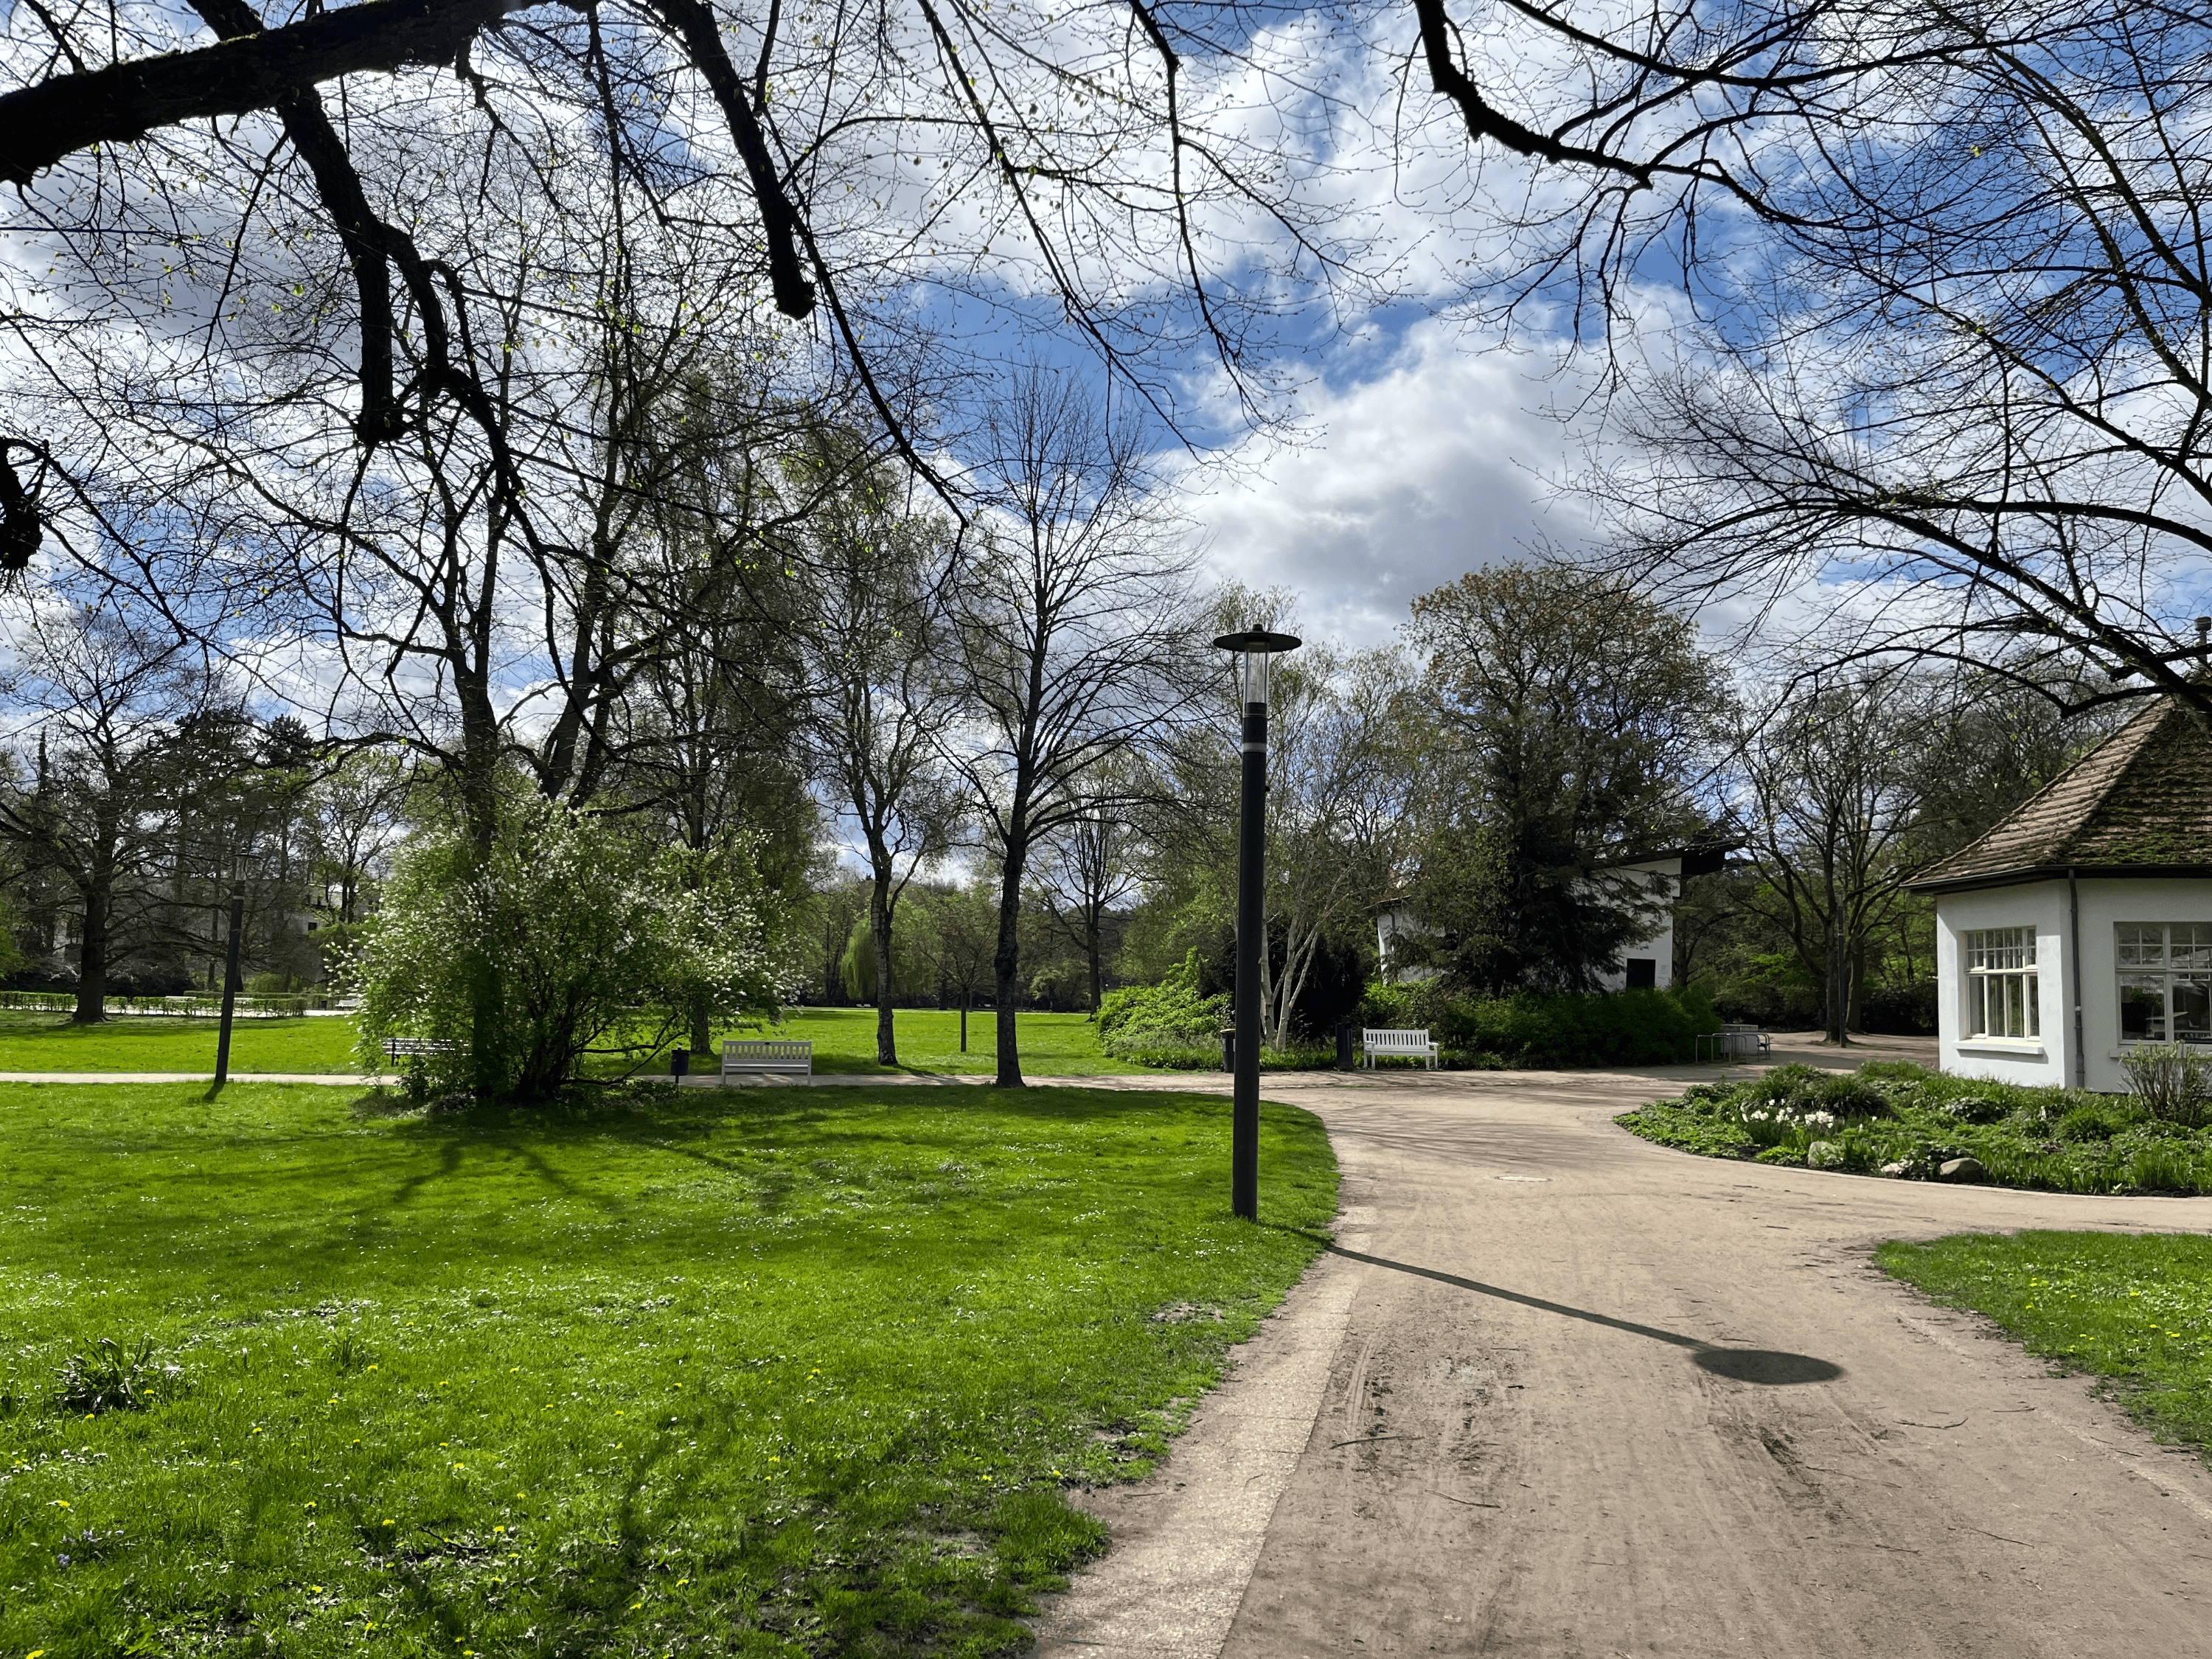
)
(1229, 1048)
(679, 1063)
(1344, 1045)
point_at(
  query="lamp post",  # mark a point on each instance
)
(1252, 651)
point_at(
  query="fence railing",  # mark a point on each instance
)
(187, 1007)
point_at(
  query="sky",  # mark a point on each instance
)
(1424, 462)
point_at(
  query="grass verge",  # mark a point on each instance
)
(1895, 1118)
(48, 1043)
(760, 1372)
(2135, 1311)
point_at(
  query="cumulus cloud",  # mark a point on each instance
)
(1434, 462)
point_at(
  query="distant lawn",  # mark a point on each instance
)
(2134, 1310)
(1052, 1045)
(48, 1043)
(762, 1373)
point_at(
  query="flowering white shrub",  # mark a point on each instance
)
(578, 937)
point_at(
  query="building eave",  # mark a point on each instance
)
(2024, 874)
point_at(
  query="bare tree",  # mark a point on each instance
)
(89, 799)
(1073, 643)
(871, 640)
(1088, 868)
(1833, 789)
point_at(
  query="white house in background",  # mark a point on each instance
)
(2082, 924)
(1648, 964)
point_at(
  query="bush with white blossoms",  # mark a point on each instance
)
(592, 940)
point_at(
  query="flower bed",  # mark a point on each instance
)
(1890, 1118)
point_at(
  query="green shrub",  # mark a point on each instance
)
(2067, 1140)
(573, 935)
(2173, 1081)
(1616, 1028)
(2094, 1121)
(1136, 1022)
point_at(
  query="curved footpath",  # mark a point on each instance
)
(1561, 1392)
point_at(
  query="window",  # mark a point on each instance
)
(2001, 983)
(1643, 973)
(2166, 982)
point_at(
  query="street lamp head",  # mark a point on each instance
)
(1253, 650)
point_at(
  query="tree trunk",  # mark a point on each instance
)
(1091, 931)
(98, 894)
(1838, 982)
(880, 930)
(488, 1062)
(1006, 966)
(963, 1019)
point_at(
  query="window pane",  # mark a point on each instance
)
(2142, 945)
(2143, 1007)
(2031, 986)
(2193, 1009)
(2192, 946)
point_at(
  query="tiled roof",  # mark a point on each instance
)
(2141, 799)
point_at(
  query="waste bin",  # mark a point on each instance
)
(1344, 1045)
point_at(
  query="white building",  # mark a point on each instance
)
(1651, 882)
(2083, 922)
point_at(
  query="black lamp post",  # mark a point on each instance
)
(1254, 649)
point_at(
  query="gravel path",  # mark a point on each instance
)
(1560, 1392)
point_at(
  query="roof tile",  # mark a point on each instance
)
(2142, 797)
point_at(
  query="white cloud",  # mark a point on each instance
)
(1429, 468)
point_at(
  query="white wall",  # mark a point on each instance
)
(2047, 1059)
(2104, 903)
(1662, 878)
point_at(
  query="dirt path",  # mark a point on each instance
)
(1586, 1396)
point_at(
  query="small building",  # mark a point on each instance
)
(2082, 923)
(1649, 962)
(1649, 882)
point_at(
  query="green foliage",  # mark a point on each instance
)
(592, 941)
(659, 1371)
(1171, 1016)
(2133, 1308)
(2173, 1081)
(1567, 708)
(112, 1377)
(1615, 1028)
(1893, 1118)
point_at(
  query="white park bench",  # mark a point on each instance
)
(742, 1058)
(1412, 1045)
(416, 1048)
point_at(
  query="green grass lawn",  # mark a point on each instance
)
(48, 1043)
(761, 1372)
(2134, 1310)
(1052, 1045)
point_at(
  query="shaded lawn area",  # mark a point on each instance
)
(1052, 1045)
(768, 1371)
(48, 1043)
(2135, 1310)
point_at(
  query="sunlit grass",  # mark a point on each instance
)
(1052, 1045)
(774, 1371)
(2134, 1308)
(48, 1043)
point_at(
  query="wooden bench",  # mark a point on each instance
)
(741, 1057)
(1412, 1045)
(416, 1048)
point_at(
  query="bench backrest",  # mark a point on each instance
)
(417, 1045)
(742, 1049)
(1382, 1041)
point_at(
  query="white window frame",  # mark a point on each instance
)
(2168, 952)
(2003, 985)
